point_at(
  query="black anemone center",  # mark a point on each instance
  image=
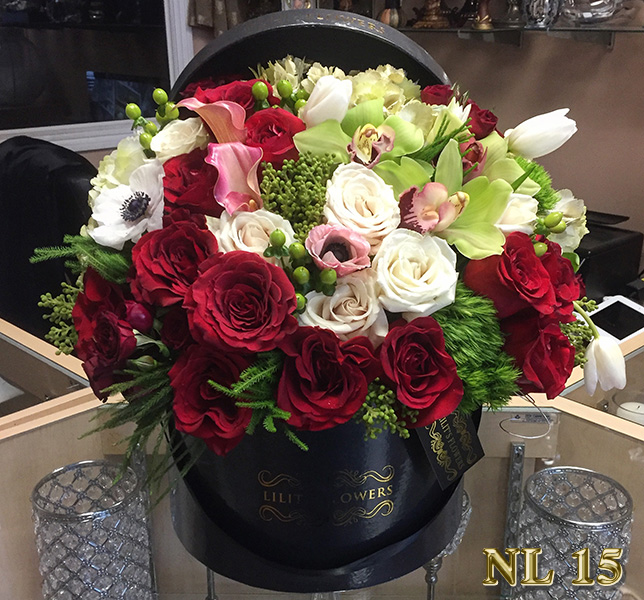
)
(339, 250)
(135, 206)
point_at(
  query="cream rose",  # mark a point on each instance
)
(179, 137)
(249, 231)
(352, 310)
(416, 274)
(359, 199)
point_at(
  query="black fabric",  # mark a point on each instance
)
(43, 196)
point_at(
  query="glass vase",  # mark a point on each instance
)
(567, 510)
(92, 533)
(540, 14)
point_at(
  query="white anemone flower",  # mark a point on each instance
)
(126, 212)
(605, 365)
(541, 135)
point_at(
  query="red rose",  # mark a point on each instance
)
(323, 383)
(515, 280)
(272, 131)
(104, 321)
(189, 182)
(179, 215)
(543, 353)
(165, 262)
(413, 356)
(236, 91)
(175, 332)
(241, 301)
(191, 89)
(437, 94)
(138, 316)
(199, 409)
(482, 122)
(566, 283)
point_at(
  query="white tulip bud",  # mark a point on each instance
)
(541, 135)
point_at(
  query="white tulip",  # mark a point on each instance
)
(329, 100)
(605, 365)
(541, 135)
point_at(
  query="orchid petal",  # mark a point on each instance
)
(371, 111)
(237, 187)
(225, 119)
(325, 138)
(510, 170)
(449, 168)
(408, 139)
(404, 175)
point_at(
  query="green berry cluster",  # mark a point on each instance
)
(166, 111)
(62, 333)
(579, 332)
(297, 191)
(381, 411)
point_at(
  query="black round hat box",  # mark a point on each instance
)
(349, 513)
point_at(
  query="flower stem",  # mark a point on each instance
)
(586, 317)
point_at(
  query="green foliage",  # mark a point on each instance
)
(62, 333)
(547, 197)
(381, 411)
(147, 403)
(579, 332)
(431, 151)
(297, 191)
(256, 389)
(474, 340)
(83, 252)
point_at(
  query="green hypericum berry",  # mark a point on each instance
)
(151, 128)
(297, 250)
(302, 94)
(132, 111)
(559, 228)
(328, 276)
(259, 90)
(277, 238)
(171, 111)
(299, 104)
(540, 249)
(284, 88)
(301, 275)
(553, 219)
(301, 302)
(145, 139)
(160, 96)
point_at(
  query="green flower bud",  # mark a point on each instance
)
(297, 250)
(299, 104)
(145, 139)
(160, 96)
(132, 111)
(284, 88)
(259, 90)
(559, 228)
(328, 276)
(301, 302)
(540, 249)
(301, 275)
(553, 219)
(277, 238)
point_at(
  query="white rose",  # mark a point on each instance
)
(359, 199)
(416, 275)
(179, 137)
(249, 231)
(329, 100)
(520, 214)
(574, 216)
(352, 310)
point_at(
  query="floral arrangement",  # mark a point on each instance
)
(308, 246)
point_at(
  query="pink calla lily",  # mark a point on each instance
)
(237, 187)
(225, 119)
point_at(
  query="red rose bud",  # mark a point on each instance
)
(483, 122)
(138, 316)
(273, 131)
(414, 357)
(437, 94)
